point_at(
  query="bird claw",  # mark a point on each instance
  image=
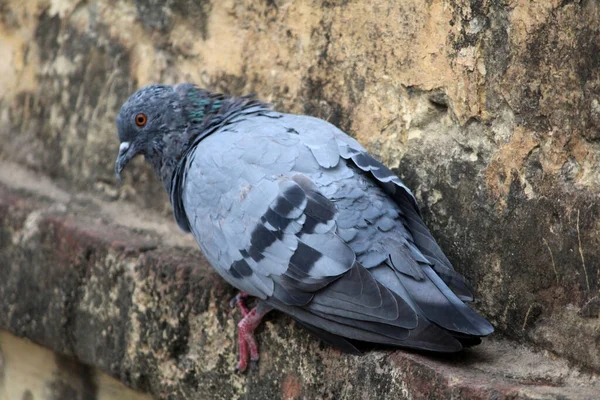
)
(240, 301)
(248, 349)
(238, 297)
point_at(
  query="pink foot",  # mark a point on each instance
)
(247, 325)
(240, 301)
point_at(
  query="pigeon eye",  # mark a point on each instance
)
(141, 119)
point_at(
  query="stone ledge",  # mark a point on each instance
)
(155, 316)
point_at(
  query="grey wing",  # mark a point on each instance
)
(353, 152)
(390, 239)
(269, 233)
(285, 238)
(290, 240)
(318, 280)
(274, 235)
(276, 221)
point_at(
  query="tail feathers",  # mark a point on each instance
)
(425, 336)
(385, 306)
(479, 326)
(334, 340)
(390, 331)
(440, 305)
(340, 331)
(348, 331)
(461, 288)
(468, 341)
(428, 336)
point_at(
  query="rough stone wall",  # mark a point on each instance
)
(489, 109)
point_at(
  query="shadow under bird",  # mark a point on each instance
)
(291, 210)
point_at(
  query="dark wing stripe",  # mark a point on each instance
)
(319, 210)
(286, 209)
(244, 253)
(305, 258)
(338, 257)
(235, 274)
(294, 194)
(309, 226)
(276, 220)
(241, 267)
(260, 239)
(319, 218)
(297, 261)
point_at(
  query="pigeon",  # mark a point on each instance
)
(294, 212)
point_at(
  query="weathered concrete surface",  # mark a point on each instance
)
(84, 282)
(30, 372)
(489, 109)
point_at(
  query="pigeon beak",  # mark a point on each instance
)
(126, 153)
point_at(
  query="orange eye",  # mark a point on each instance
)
(141, 119)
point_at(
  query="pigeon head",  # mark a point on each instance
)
(145, 118)
(159, 121)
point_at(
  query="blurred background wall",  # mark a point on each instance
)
(488, 109)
